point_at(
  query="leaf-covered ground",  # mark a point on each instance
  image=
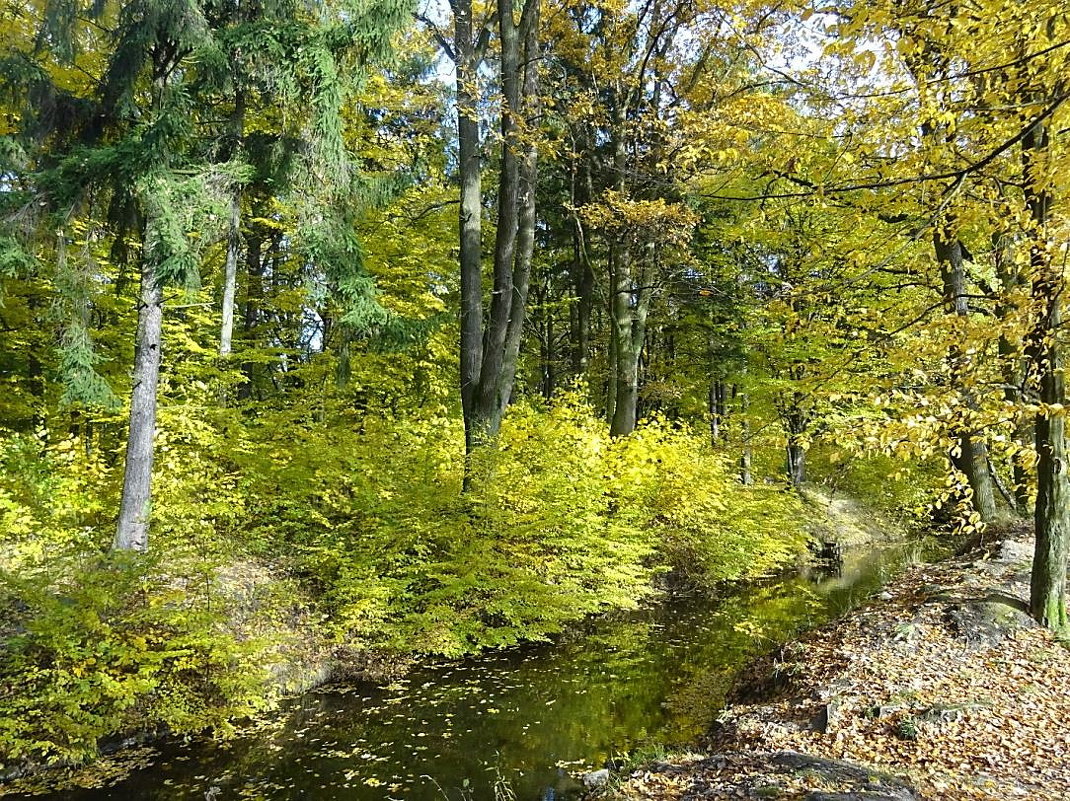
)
(942, 681)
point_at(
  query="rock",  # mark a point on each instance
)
(988, 621)
(1013, 552)
(940, 713)
(862, 795)
(887, 788)
(833, 690)
(827, 717)
(884, 711)
(595, 779)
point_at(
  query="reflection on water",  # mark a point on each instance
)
(527, 716)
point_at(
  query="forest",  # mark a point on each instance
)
(408, 330)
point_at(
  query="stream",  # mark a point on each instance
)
(519, 722)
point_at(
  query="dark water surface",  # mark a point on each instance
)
(526, 716)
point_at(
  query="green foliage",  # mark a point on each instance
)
(53, 498)
(327, 448)
(561, 522)
(106, 645)
(898, 489)
(707, 521)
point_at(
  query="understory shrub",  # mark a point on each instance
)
(366, 515)
(561, 521)
(114, 644)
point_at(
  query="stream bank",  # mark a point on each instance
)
(941, 687)
(529, 718)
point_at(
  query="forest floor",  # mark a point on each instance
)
(941, 687)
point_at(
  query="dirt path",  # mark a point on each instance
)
(940, 688)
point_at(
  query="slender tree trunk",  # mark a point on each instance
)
(132, 533)
(629, 314)
(972, 457)
(611, 373)
(717, 403)
(626, 363)
(582, 279)
(486, 415)
(745, 476)
(35, 373)
(715, 419)
(489, 353)
(470, 214)
(230, 275)
(1011, 364)
(524, 246)
(796, 450)
(626, 407)
(1052, 513)
(251, 317)
(549, 378)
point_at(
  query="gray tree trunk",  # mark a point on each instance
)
(527, 180)
(1047, 597)
(135, 509)
(230, 276)
(470, 214)
(972, 458)
(745, 476)
(630, 308)
(489, 353)
(1010, 354)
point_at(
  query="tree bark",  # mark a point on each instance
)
(582, 278)
(1047, 597)
(745, 476)
(796, 450)
(470, 215)
(135, 509)
(717, 409)
(524, 247)
(1011, 365)
(972, 457)
(489, 353)
(230, 275)
(630, 307)
(253, 296)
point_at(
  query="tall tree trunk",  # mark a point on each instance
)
(230, 272)
(972, 452)
(1011, 364)
(470, 215)
(230, 275)
(251, 317)
(717, 409)
(796, 450)
(582, 278)
(135, 509)
(486, 417)
(630, 307)
(629, 301)
(489, 354)
(1047, 597)
(745, 476)
(626, 406)
(611, 371)
(524, 247)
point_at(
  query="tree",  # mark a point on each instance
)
(489, 349)
(145, 137)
